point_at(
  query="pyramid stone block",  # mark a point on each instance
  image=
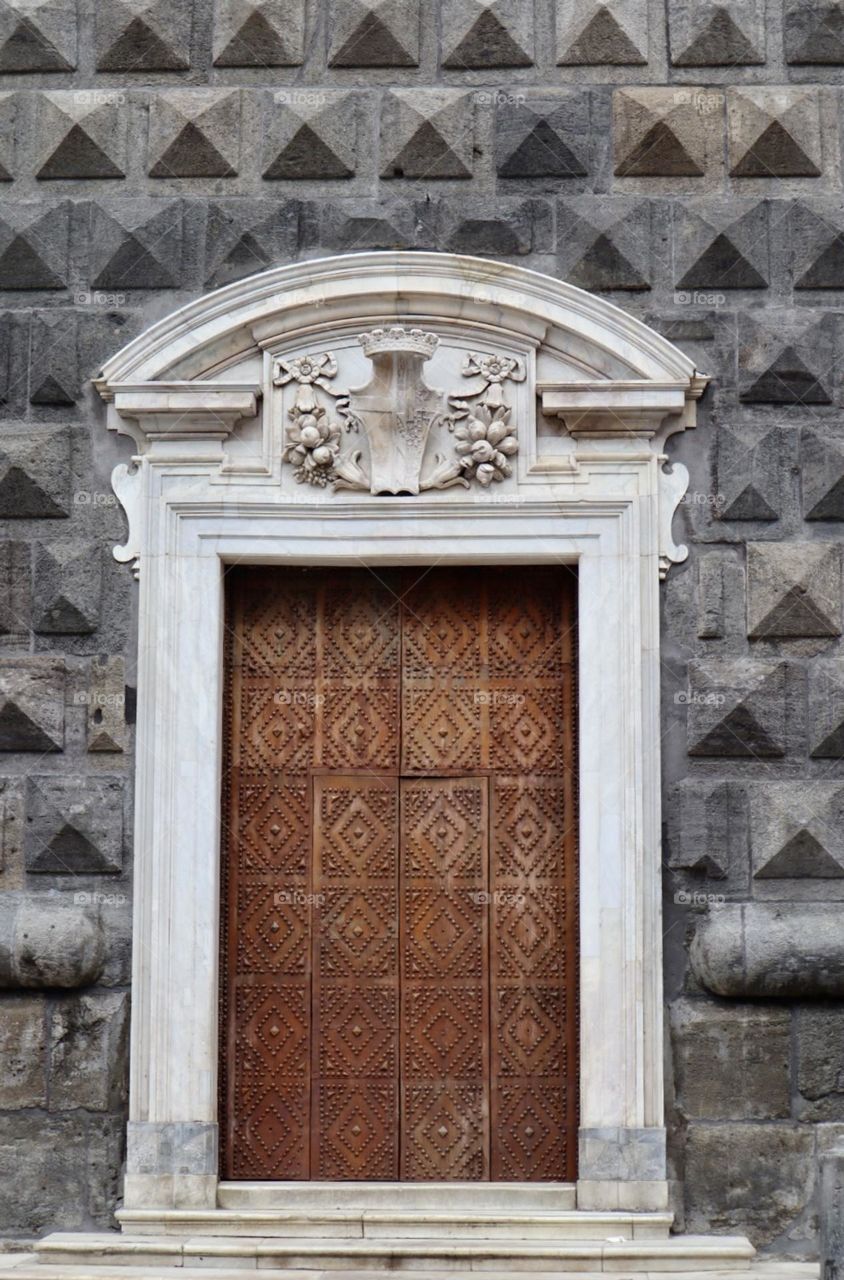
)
(826, 709)
(15, 592)
(662, 133)
(509, 229)
(545, 137)
(708, 831)
(81, 135)
(245, 236)
(814, 33)
(785, 361)
(814, 239)
(716, 33)
(715, 249)
(67, 587)
(9, 107)
(259, 33)
(195, 133)
(142, 35)
(774, 132)
(749, 473)
(311, 135)
(136, 244)
(374, 33)
(37, 35)
(610, 34)
(822, 475)
(32, 699)
(480, 34)
(34, 474)
(74, 826)
(737, 708)
(797, 831)
(53, 364)
(370, 224)
(427, 134)
(106, 705)
(605, 245)
(793, 589)
(34, 246)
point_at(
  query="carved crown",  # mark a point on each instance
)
(397, 338)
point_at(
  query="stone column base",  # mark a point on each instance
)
(171, 1165)
(622, 1168)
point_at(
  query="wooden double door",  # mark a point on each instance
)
(399, 915)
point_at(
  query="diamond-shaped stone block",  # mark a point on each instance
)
(34, 474)
(37, 35)
(543, 137)
(136, 244)
(487, 33)
(814, 32)
(67, 587)
(506, 229)
(142, 35)
(74, 825)
(9, 105)
(721, 245)
(311, 134)
(105, 704)
(797, 831)
(53, 364)
(605, 246)
(81, 135)
(195, 133)
(749, 473)
(427, 134)
(663, 133)
(786, 361)
(826, 709)
(245, 236)
(774, 132)
(259, 33)
(716, 33)
(32, 697)
(793, 589)
(610, 34)
(374, 33)
(34, 246)
(737, 708)
(815, 239)
(822, 475)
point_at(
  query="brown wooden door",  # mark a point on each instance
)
(399, 915)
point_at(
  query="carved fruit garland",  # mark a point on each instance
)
(312, 441)
(485, 439)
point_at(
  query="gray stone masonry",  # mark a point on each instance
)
(683, 159)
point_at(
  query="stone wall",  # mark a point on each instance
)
(150, 152)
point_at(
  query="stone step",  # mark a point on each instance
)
(26, 1270)
(446, 1197)
(396, 1224)
(679, 1254)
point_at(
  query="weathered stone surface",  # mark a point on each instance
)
(508, 229)
(143, 35)
(15, 592)
(821, 475)
(74, 825)
(88, 1050)
(826, 709)
(245, 236)
(369, 224)
(749, 1177)
(259, 33)
(136, 244)
(815, 244)
(53, 368)
(708, 830)
(610, 34)
(798, 832)
(749, 473)
(9, 103)
(427, 133)
(106, 705)
(771, 950)
(34, 474)
(374, 33)
(46, 941)
(605, 246)
(32, 698)
(34, 246)
(81, 135)
(793, 589)
(731, 1062)
(819, 1036)
(23, 1052)
(543, 137)
(737, 707)
(311, 134)
(38, 35)
(814, 32)
(662, 133)
(68, 586)
(716, 249)
(774, 133)
(716, 33)
(194, 133)
(786, 360)
(831, 1212)
(72, 1178)
(720, 593)
(487, 33)
(11, 833)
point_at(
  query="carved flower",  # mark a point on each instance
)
(495, 368)
(312, 446)
(308, 372)
(484, 443)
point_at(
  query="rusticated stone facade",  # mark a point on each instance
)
(683, 160)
